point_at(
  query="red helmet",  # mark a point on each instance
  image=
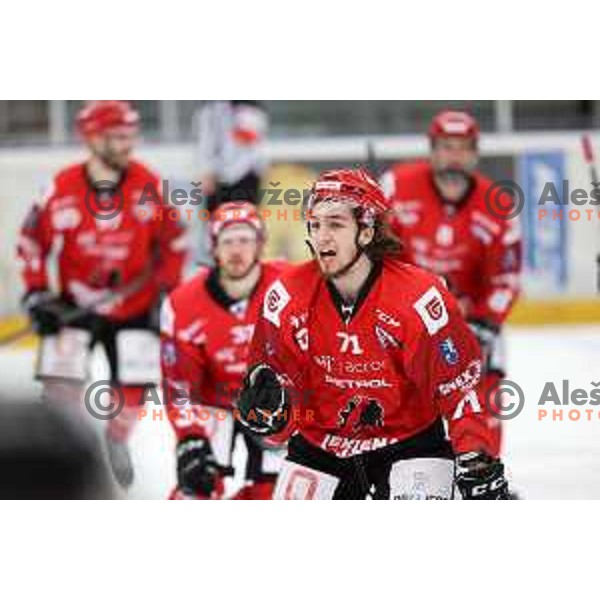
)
(233, 213)
(352, 185)
(451, 123)
(100, 115)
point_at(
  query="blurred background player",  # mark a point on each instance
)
(207, 324)
(114, 261)
(441, 217)
(231, 149)
(359, 356)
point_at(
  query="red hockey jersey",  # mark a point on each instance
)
(477, 253)
(381, 372)
(97, 254)
(205, 339)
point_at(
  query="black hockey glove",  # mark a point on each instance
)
(197, 468)
(480, 477)
(486, 334)
(263, 403)
(47, 311)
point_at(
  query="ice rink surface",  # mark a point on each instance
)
(546, 458)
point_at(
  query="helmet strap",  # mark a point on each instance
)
(358, 253)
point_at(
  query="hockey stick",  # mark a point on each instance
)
(80, 311)
(588, 155)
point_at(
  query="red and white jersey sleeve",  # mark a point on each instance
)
(170, 244)
(34, 245)
(183, 365)
(442, 358)
(500, 274)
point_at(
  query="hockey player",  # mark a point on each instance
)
(117, 252)
(207, 324)
(357, 358)
(442, 217)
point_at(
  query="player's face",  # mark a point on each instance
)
(237, 250)
(333, 231)
(115, 146)
(453, 160)
(454, 153)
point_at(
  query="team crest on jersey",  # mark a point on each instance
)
(344, 413)
(449, 351)
(276, 299)
(432, 310)
(369, 415)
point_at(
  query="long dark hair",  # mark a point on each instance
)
(384, 242)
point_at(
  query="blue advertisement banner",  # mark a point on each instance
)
(545, 232)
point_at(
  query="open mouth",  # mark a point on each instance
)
(327, 253)
(453, 175)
